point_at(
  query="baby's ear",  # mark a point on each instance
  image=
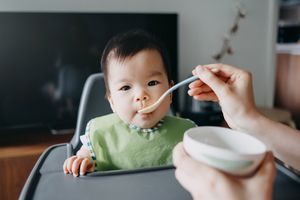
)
(111, 103)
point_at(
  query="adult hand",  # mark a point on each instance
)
(231, 87)
(204, 182)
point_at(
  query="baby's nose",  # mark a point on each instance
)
(142, 97)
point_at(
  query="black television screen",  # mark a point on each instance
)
(45, 59)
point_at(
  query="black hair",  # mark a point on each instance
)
(128, 44)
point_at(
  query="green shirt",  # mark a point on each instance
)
(117, 146)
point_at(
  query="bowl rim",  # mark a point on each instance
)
(219, 150)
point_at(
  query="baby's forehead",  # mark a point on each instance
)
(144, 62)
(115, 55)
(122, 70)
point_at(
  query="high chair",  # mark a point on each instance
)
(47, 180)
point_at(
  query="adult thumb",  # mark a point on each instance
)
(266, 171)
(210, 79)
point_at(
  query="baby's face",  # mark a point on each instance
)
(135, 83)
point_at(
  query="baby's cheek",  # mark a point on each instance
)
(123, 104)
(126, 108)
(128, 111)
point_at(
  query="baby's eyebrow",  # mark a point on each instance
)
(122, 80)
(151, 74)
(155, 73)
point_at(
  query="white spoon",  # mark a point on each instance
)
(152, 107)
(156, 104)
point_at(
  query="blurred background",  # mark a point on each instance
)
(260, 36)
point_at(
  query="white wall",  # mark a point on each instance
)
(203, 24)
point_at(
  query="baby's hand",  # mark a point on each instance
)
(78, 164)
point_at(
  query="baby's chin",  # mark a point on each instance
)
(148, 120)
(145, 123)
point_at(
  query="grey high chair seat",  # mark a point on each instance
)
(47, 180)
(92, 104)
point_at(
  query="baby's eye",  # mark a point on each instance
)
(152, 83)
(124, 88)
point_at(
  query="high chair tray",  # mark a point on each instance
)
(47, 181)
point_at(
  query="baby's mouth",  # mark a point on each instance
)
(142, 106)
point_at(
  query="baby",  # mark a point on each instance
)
(136, 74)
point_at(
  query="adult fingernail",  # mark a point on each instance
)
(199, 69)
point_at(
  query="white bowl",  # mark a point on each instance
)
(231, 151)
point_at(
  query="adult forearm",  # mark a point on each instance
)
(281, 139)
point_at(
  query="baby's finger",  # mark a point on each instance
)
(76, 166)
(83, 166)
(70, 163)
(86, 166)
(65, 167)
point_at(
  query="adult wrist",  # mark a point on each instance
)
(257, 125)
(252, 122)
